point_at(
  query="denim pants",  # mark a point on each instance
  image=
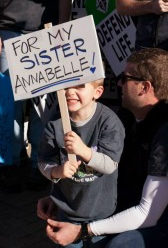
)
(130, 239)
(151, 237)
(94, 242)
(35, 124)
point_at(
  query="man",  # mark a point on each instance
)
(152, 18)
(144, 164)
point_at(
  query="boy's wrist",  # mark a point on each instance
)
(56, 172)
(87, 154)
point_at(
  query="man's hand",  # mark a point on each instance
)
(63, 233)
(159, 6)
(46, 208)
(75, 145)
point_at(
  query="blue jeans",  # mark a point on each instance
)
(35, 124)
(151, 237)
(130, 239)
(94, 242)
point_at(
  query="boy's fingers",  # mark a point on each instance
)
(79, 163)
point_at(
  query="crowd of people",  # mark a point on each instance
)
(114, 194)
(17, 19)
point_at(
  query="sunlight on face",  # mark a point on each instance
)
(80, 99)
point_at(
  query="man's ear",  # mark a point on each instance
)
(98, 92)
(146, 86)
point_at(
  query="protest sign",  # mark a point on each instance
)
(78, 9)
(54, 58)
(100, 9)
(116, 33)
(45, 105)
(6, 120)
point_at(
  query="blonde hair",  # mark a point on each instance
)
(98, 82)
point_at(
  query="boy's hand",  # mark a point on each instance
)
(65, 171)
(70, 168)
(74, 145)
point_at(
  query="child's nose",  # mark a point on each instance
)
(70, 91)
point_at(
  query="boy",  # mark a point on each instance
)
(97, 139)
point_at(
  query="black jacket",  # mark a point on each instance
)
(133, 167)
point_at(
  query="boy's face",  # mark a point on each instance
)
(81, 97)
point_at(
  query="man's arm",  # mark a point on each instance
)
(152, 205)
(65, 7)
(136, 8)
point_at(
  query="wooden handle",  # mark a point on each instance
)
(63, 109)
(65, 117)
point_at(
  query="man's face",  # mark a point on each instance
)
(131, 87)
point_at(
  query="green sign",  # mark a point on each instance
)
(99, 9)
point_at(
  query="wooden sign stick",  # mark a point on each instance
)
(63, 110)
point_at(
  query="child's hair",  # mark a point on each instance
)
(98, 82)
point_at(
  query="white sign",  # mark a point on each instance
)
(117, 39)
(54, 58)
